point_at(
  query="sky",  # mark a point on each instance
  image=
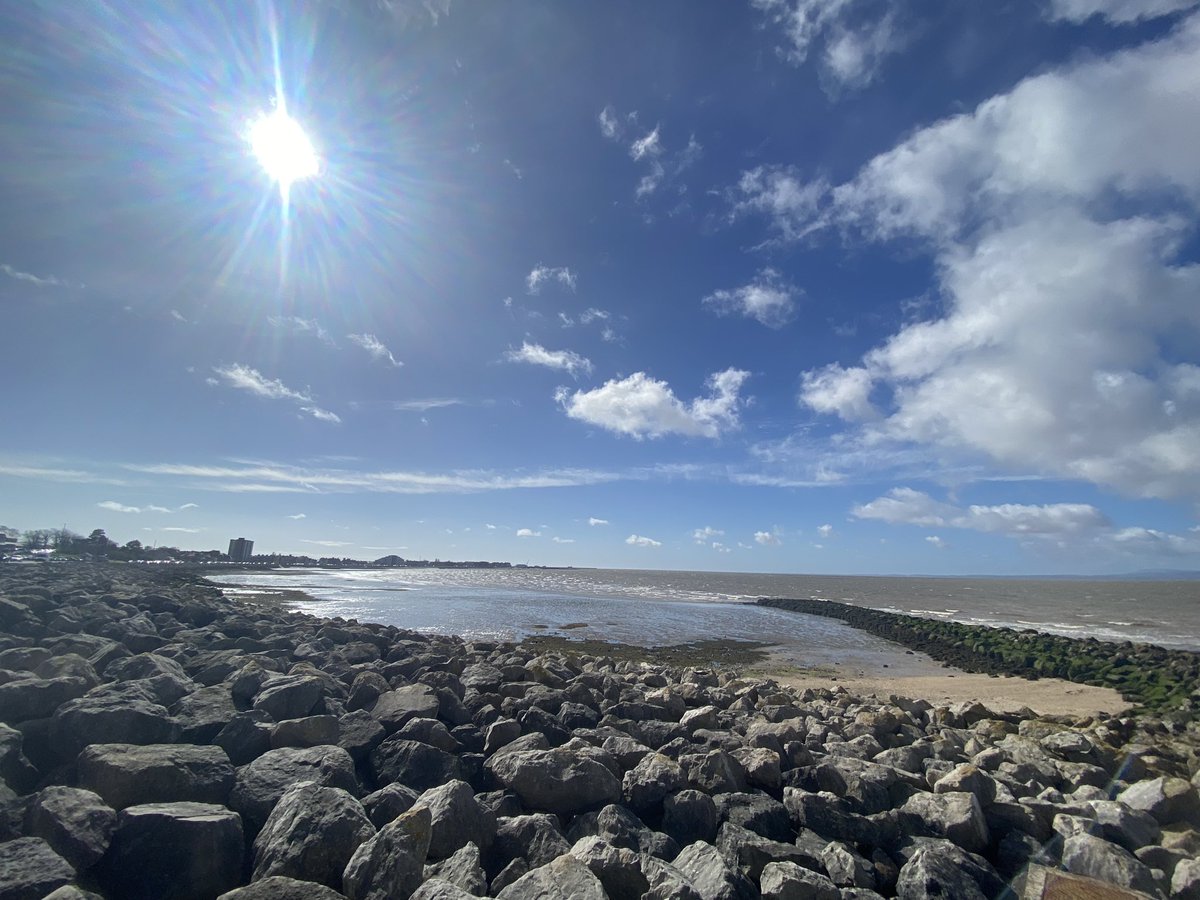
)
(776, 285)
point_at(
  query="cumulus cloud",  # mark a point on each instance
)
(706, 534)
(1119, 12)
(299, 516)
(936, 541)
(824, 530)
(528, 532)
(376, 348)
(791, 203)
(857, 36)
(536, 354)
(908, 506)
(1055, 214)
(114, 506)
(767, 298)
(638, 540)
(541, 275)
(641, 406)
(592, 520)
(768, 538)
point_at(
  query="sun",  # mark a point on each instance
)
(283, 149)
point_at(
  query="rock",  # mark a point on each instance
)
(359, 733)
(15, 769)
(189, 851)
(279, 887)
(749, 853)
(763, 768)
(388, 802)
(929, 875)
(690, 816)
(616, 867)
(289, 696)
(307, 731)
(1121, 824)
(202, 714)
(438, 889)
(566, 878)
(759, 813)
(463, 868)
(500, 733)
(37, 698)
(701, 717)
(846, 867)
(1185, 882)
(555, 780)
(131, 774)
(30, 869)
(76, 823)
(457, 817)
(647, 784)
(1167, 799)
(788, 881)
(1085, 854)
(311, 835)
(1039, 881)
(390, 864)
(703, 866)
(394, 708)
(714, 772)
(621, 828)
(431, 732)
(246, 736)
(413, 763)
(112, 718)
(957, 817)
(260, 784)
(535, 838)
(510, 873)
(71, 892)
(968, 779)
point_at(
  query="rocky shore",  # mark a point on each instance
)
(160, 740)
(1154, 678)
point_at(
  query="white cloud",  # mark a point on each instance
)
(562, 540)
(182, 530)
(824, 530)
(114, 506)
(1121, 12)
(328, 543)
(858, 36)
(490, 527)
(721, 548)
(376, 348)
(425, 404)
(936, 541)
(321, 415)
(190, 506)
(1055, 213)
(302, 326)
(908, 506)
(610, 125)
(35, 280)
(706, 534)
(528, 532)
(648, 145)
(767, 298)
(641, 406)
(299, 516)
(48, 473)
(768, 538)
(541, 275)
(536, 354)
(245, 378)
(638, 540)
(592, 520)
(790, 202)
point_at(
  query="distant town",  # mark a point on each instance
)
(61, 543)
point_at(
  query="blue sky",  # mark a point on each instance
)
(781, 285)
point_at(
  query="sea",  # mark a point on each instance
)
(655, 608)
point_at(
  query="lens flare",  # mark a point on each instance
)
(283, 149)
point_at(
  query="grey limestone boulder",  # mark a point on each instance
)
(1121, 824)
(1085, 854)
(566, 878)
(536, 838)
(306, 731)
(30, 869)
(246, 736)
(38, 698)
(107, 718)
(557, 781)
(617, 868)
(311, 834)
(388, 802)
(394, 708)
(1167, 799)
(202, 714)
(930, 875)
(958, 817)
(463, 868)
(289, 696)
(390, 864)
(650, 782)
(189, 851)
(76, 823)
(413, 763)
(846, 867)
(440, 889)
(261, 783)
(1185, 881)
(788, 881)
(131, 774)
(690, 816)
(457, 817)
(711, 876)
(280, 887)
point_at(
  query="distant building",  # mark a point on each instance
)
(240, 549)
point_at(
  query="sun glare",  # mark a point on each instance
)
(282, 148)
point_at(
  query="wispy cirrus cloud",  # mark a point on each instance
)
(537, 355)
(425, 404)
(246, 378)
(114, 506)
(375, 348)
(301, 326)
(29, 278)
(54, 473)
(541, 275)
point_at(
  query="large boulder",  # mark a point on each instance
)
(188, 851)
(617, 868)
(712, 877)
(202, 714)
(788, 881)
(280, 887)
(557, 781)
(1085, 854)
(566, 878)
(76, 823)
(464, 869)
(30, 869)
(112, 717)
(958, 817)
(929, 875)
(394, 708)
(289, 696)
(536, 838)
(650, 782)
(311, 834)
(260, 784)
(132, 774)
(413, 763)
(457, 817)
(38, 698)
(390, 864)
(1167, 799)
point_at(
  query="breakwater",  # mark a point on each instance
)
(161, 740)
(1152, 677)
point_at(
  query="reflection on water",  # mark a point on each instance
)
(655, 607)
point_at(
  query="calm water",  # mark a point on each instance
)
(656, 607)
